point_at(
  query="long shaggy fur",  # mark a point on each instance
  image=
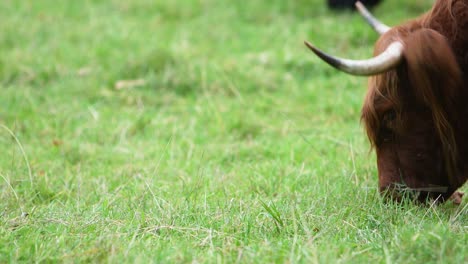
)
(435, 78)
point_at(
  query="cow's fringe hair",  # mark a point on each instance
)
(435, 78)
(382, 94)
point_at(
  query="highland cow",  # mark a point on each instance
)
(415, 111)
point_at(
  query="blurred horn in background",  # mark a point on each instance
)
(349, 4)
(378, 26)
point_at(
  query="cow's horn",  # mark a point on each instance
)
(383, 62)
(378, 26)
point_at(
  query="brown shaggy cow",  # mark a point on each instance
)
(416, 107)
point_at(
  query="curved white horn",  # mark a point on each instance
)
(388, 59)
(376, 24)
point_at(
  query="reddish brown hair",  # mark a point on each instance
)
(430, 76)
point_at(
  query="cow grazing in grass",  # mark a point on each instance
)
(416, 107)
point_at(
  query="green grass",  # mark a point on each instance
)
(236, 144)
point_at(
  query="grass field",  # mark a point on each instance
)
(197, 131)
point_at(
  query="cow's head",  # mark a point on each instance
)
(410, 108)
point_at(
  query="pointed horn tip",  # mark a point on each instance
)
(361, 7)
(317, 51)
(324, 56)
(310, 46)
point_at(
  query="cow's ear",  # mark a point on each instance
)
(435, 79)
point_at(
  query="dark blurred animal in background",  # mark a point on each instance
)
(415, 111)
(349, 4)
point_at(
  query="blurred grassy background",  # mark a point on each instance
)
(197, 131)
